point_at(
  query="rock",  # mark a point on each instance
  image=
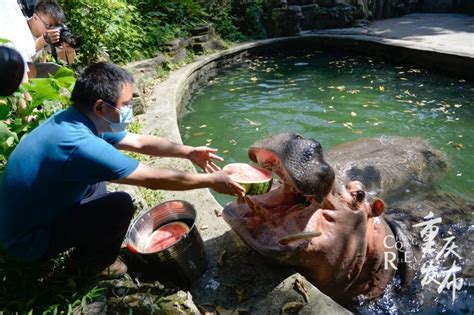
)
(286, 21)
(175, 44)
(203, 29)
(179, 303)
(438, 6)
(180, 56)
(138, 105)
(200, 39)
(308, 11)
(338, 16)
(214, 44)
(325, 3)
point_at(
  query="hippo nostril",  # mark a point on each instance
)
(360, 195)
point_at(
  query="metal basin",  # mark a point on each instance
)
(186, 258)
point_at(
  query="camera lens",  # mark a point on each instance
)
(67, 37)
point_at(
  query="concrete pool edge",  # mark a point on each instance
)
(169, 96)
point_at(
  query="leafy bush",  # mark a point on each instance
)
(106, 27)
(19, 116)
(219, 12)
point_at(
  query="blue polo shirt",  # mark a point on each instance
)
(49, 171)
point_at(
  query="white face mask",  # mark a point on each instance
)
(126, 116)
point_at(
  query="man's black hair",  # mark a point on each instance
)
(50, 8)
(100, 80)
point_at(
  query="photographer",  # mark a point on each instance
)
(47, 28)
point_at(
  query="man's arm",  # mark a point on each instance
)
(156, 146)
(153, 146)
(168, 179)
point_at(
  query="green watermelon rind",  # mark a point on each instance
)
(254, 187)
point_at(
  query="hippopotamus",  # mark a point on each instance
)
(326, 219)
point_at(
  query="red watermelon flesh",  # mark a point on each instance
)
(242, 172)
(165, 236)
(256, 180)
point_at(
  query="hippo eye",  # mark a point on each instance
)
(359, 195)
(297, 136)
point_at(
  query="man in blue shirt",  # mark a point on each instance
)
(52, 193)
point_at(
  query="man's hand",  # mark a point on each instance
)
(203, 157)
(51, 36)
(222, 183)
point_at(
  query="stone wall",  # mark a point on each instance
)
(289, 17)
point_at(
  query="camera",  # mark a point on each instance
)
(65, 36)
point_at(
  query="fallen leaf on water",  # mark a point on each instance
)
(253, 79)
(252, 123)
(353, 91)
(198, 133)
(381, 88)
(458, 146)
(331, 122)
(225, 151)
(292, 307)
(365, 105)
(203, 126)
(462, 81)
(220, 261)
(403, 79)
(357, 132)
(353, 114)
(457, 105)
(187, 127)
(341, 88)
(232, 141)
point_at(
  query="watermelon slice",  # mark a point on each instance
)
(256, 180)
(165, 236)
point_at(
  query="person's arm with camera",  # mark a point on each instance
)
(49, 37)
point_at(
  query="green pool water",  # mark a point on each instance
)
(334, 99)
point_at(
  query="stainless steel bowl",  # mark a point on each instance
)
(186, 258)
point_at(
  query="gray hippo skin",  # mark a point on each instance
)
(389, 166)
(333, 233)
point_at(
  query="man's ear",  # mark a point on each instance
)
(378, 206)
(98, 107)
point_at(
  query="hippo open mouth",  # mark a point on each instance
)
(273, 224)
(327, 232)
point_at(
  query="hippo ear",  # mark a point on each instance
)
(378, 207)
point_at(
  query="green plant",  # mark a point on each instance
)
(19, 114)
(219, 12)
(106, 27)
(42, 287)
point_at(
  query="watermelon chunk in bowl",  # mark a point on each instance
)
(256, 180)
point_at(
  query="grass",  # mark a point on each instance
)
(43, 288)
